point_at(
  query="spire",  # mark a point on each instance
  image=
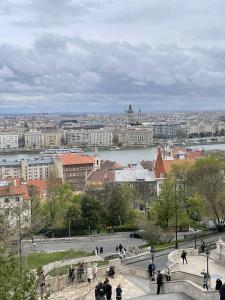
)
(159, 167)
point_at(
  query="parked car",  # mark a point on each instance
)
(137, 234)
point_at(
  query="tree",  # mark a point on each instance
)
(16, 285)
(208, 180)
(73, 216)
(163, 209)
(119, 204)
(91, 212)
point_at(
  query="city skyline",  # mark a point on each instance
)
(100, 56)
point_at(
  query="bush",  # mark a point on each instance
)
(125, 228)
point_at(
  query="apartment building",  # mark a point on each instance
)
(27, 169)
(14, 205)
(165, 130)
(9, 140)
(42, 139)
(75, 168)
(93, 137)
(134, 136)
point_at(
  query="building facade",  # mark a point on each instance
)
(9, 140)
(42, 139)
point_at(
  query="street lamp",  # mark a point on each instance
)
(195, 239)
(153, 253)
(207, 261)
(175, 194)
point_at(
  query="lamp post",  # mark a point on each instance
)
(153, 253)
(195, 239)
(175, 194)
(207, 261)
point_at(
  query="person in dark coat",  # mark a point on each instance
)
(222, 292)
(184, 256)
(108, 289)
(100, 291)
(159, 281)
(203, 245)
(119, 292)
(120, 247)
(150, 270)
(218, 284)
(117, 249)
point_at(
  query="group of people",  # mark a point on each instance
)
(83, 272)
(98, 250)
(103, 291)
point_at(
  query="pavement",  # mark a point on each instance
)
(198, 264)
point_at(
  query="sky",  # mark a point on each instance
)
(102, 55)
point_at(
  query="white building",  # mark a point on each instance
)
(42, 139)
(9, 140)
(134, 136)
(14, 206)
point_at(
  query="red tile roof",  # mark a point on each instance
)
(75, 159)
(14, 191)
(40, 185)
(99, 177)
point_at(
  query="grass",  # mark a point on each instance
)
(64, 270)
(38, 260)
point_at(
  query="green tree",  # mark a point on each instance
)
(119, 205)
(207, 178)
(14, 284)
(91, 212)
(73, 216)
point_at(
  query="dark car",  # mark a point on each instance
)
(137, 234)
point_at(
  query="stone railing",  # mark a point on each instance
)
(134, 271)
(186, 287)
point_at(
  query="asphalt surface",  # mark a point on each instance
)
(108, 242)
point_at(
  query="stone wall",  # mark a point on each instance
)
(173, 256)
(187, 287)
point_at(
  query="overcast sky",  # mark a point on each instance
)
(101, 55)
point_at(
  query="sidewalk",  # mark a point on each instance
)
(198, 264)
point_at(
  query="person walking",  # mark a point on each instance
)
(120, 247)
(222, 292)
(159, 281)
(205, 281)
(184, 256)
(218, 284)
(108, 289)
(100, 291)
(150, 269)
(203, 245)
(96, 250)
(119, 292)
(117, 249)
(89, 273)
(94, 270)
(124, 253)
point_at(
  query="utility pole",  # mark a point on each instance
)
(175, 194)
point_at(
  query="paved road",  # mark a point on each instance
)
(108, 242)
(161, 256)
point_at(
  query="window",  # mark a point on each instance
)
(17, 199)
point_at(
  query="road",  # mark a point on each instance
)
(161, 256)
(108, 242)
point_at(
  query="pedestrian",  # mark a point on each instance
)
(203, 245)
(205, 281)
(101, 250)
(222, 292)
(150, 270)
(159, 281)
(119, 292)
(184, 256)
(108, 289)
(100, 291)
(96, 250)
(120, 247)
(167, 274)
(218, 284)
(94, 270)
(89, 273)
(117, 249)
(124, 253)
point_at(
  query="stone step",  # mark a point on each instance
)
(175, 296)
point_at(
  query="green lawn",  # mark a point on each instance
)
(64, 270)
(38, 260)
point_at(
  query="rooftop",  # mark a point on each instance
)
(75, 159)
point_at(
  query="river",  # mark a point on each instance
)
(121, 156)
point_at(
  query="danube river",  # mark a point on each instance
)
(121, 156)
